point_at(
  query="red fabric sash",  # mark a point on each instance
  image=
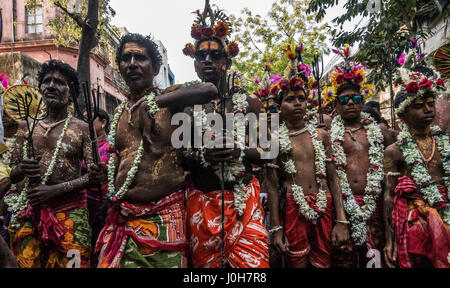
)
(49, 227)
(116, 226)
(406, 190)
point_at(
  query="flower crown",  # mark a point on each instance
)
(263, 90)
(296, 66)
(416, 85)
(218, 27)
(348, 72)
(296, 72)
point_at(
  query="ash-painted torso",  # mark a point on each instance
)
(75, 148)
(160, 172)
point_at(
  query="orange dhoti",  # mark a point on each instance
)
(246, 238)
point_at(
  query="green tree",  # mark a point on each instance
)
(84, 23)
(385, 33)
(263, 39)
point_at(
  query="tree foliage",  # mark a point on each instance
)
(67, 29)
(386, 34)
(84, 23)
(263, 39)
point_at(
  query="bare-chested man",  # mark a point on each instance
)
(308, 176)
(245, 242)
(417, 167)
(56, 217)
(145, 226)
(358, 145)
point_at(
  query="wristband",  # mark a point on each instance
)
(275, 229)
(343, 222)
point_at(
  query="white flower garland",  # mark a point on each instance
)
(419, 170)
(6, 156)
(359, 215)
(114, 195)
(235, 169)
(409, 77)
(18, 202)
(312, 214)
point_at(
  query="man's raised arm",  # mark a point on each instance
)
(184, 97)
(391, 174)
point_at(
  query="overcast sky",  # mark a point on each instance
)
(170, 22)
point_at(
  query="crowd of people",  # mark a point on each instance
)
(345, 190)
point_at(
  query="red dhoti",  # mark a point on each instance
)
(420, 231)
(307, 240)
(369, 254)
(246, 238)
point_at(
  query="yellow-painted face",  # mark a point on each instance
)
(136, 67)
(209, 45)
(211, 61)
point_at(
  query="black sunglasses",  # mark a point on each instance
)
(357, 99)
(215, 55)
(273, 109)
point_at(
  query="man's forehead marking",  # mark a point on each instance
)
(133, 48)
(209, 45)
(423, 100)
(55, 74)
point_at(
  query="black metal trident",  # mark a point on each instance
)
(318, 71)
(91, 115)
(226, 92)
(92, 109)
(23, 108)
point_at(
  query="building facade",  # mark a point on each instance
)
(165, 78)
(25, 30)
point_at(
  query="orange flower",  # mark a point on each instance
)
(68, 237)
(221, 29)
(189, 50)
(232, 49)
(60, 216)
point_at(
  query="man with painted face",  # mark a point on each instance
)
(304, 170)
(417, 172)
(358, 145)
(49, 207)
(145, 226)
(241, 241)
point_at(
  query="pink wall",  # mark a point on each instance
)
(34, 44)
(6, 8)
(20, 18)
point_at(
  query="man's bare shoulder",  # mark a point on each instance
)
(384, 129)
(254, 103)
(322, 132)
(393, 152)
(79, 124)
